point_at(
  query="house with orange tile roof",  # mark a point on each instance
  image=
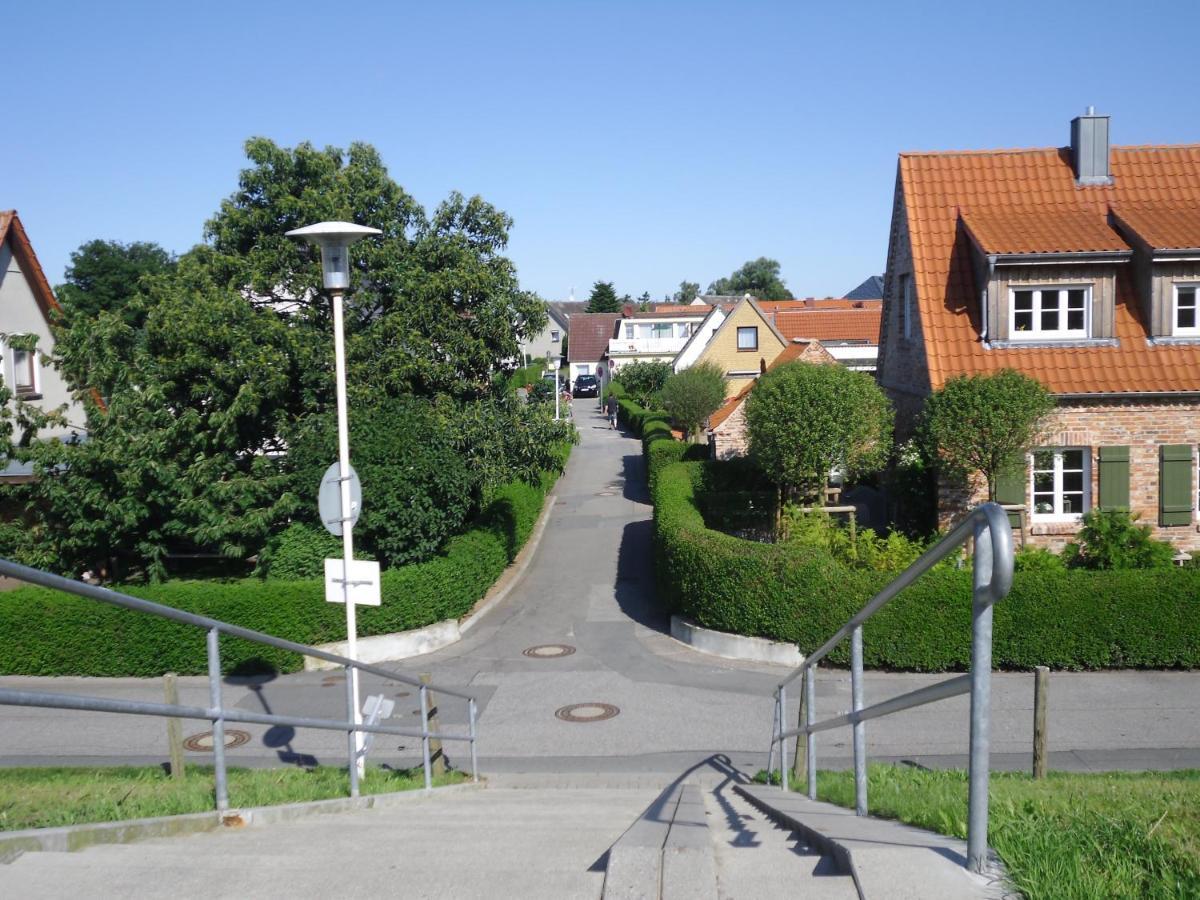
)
(1078, 266)
(27, 306)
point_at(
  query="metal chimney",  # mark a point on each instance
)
(1090, 149)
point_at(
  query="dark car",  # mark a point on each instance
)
(587, 386)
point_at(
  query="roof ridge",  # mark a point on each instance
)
(996, 151)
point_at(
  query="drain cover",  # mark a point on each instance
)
(586, 712)
(203, 742)
(548, 651)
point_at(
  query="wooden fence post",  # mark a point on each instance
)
(174, 727)
(1041, 687)
(436, 756)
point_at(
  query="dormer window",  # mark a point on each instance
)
(1185, 318)
(1049, 313)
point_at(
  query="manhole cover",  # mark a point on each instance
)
(586, 712)
(203, 742)
(549, 651)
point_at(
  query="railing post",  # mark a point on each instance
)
(474, 759)
(860, 728)
(774, 737)
(218, 721)
(810, 717)
(783, 766)
(351, 732)
(425, 737)
(981, 686)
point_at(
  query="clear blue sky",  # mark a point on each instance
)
(642, 143)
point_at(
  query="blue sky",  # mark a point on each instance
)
(642, 143)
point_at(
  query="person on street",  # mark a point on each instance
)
(610, 407)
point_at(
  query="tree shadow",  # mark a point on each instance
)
(633, 474)
(634, 589)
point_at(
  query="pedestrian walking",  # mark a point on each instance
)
(610, 407)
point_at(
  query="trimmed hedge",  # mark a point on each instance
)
(1068, 620)
(51, 633)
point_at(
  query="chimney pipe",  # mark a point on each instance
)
(1090, 148)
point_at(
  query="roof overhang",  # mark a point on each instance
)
(1108, 257)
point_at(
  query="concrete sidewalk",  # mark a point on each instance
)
(590, 587)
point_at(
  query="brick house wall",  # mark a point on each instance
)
(1142, 426)
(730, 440)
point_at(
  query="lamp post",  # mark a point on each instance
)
(334, 239)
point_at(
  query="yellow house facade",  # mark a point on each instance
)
(744, 346)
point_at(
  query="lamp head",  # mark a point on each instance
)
(334, 239)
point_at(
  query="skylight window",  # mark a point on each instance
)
(1049, 313)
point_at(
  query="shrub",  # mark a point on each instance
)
(51, 633)
(643, 380)
(1110, 539)
(299, 551)
(859, 548)
(1037, 559)
(694, 394)
(1068, 620)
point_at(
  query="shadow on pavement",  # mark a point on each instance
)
(634, 589)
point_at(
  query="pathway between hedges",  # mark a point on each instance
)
(590, 588)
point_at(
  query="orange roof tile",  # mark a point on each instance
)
(1162, 227)
(935, 187)
(796, 349)
(830, 325)
(1061, 230)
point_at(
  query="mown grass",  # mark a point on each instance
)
(49, 797)
(1067, 837)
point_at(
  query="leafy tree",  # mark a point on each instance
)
(759, 278)
(983, 423)
(643, 380)
(1112, 539)
(805, 421)
(688, 291)
(603, 298)
(644, 301)
(694, 394)
(104, 275)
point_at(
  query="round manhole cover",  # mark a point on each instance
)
(586, 712)
(548, 651)
(203, 742)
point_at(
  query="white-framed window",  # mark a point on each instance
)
(747, 337)
(1185, 314)
(906, 305)
(554, 335)
(1061, 483)
(629, 332)
(23, 369)
(661, 330)
(1049, 313)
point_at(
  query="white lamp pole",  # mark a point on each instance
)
(334, 239)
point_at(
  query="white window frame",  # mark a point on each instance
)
(554, 335)
(629, 332)
(1037, 333)
(1176, 330)
(742, 328)
(10, 373)
(906, 305)
(1057, 514)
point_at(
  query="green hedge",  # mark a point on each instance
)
(1067, 620)
(50, 633)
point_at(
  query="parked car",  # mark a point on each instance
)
(587, 386)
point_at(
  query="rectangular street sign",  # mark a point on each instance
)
(364, 582)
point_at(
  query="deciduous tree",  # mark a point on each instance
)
(694, 394)
(759, 278)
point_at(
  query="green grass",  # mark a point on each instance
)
(50, 797)
(1067, 837)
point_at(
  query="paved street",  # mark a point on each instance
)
(590, 587)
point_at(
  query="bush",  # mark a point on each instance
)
(694, 394)
(299, 551)
(643, 380)
(1068, 619)
(860, 548)
(1037, 559)
(1110, 539)
(51, 633)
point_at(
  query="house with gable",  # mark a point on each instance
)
(27, 305)
(742, 346)
(1078, 266)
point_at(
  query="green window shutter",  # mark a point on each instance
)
(1114, 478)
(1010, 488)
(1175, 484)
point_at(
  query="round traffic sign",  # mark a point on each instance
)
(329, 499)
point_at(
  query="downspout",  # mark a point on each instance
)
(983, 300)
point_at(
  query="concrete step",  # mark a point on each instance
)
(758, 859)
(887, 860)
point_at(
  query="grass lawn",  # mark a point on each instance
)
(48, 797)
(1118, 834)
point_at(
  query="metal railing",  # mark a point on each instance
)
(993, 567)
(216, 712)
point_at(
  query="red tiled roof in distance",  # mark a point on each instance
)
(1059, 230)
(588, 335)
(936, 186)
(830, 325)
(1162, 227)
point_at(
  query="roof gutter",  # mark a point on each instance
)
(1091, 256)
(1130, 395)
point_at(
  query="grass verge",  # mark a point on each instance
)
(52, 797)
(1067, 837)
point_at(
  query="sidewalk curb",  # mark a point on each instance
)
(734, 646)
(69, 838)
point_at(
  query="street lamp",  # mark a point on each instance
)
(334, 239)
(556, 362)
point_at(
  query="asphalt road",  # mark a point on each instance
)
(590, 587)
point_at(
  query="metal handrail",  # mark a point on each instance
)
(216, 711)
(992, 578)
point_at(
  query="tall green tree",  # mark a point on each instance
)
(104, 275)
(688, 291)
(985, 423)
(759, 278)
(603, 298)
(805, 421)
(694, 394)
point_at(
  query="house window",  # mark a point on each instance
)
(662, 330)
(1048, 313)
(1061, 483)
(554, 335)
(1185, 319)
(747, 337)
(629, 332)
(906, 303)
(24, 368)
